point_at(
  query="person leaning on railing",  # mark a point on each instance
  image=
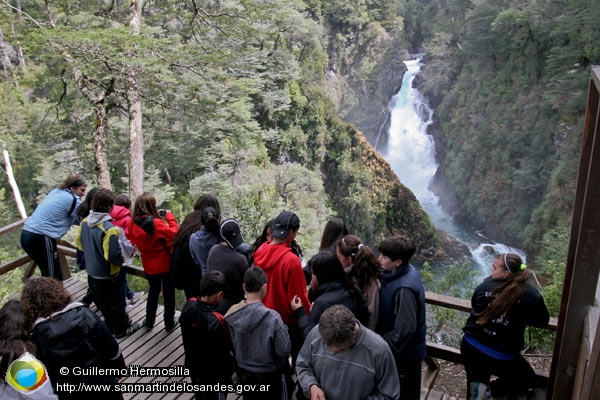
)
(49, 222)
(494, 333)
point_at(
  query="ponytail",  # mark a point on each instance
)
(365, 265)
(211, 219)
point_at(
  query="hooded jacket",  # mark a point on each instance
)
(98, 238)
(76, 337)
(233, 265)
(121, 216)
(200, 244)
(153, 238)
(506, 334)
(259, 337)
(327, 295)
(286, 279)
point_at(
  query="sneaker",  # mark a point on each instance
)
(172, 327)
(131, 329)
(134, 299)
(479, 391)
(128, 308)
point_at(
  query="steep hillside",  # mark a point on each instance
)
(509, 86)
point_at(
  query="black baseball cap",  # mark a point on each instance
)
(231, 232)
(285, 222)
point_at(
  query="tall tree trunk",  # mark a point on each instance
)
(101, 105)
(99, 145)
(5, 57)
(136, 139)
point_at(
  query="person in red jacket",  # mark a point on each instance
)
(152, 232)
(285, 275)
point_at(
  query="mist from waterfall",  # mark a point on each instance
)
(411, 153)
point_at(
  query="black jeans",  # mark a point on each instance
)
(110, 300)
(409, 373)
(156, 282)
(42, 249)
(515, 376)
(127, 292)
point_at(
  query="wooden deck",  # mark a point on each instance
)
(147, 348)
(158, 348)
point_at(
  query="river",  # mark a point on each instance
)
(411, 153)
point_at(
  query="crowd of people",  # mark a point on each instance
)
(350, 324)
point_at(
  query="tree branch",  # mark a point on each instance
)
(23, 13)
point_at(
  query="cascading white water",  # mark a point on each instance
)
(411, 153)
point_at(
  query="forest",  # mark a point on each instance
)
(180, 99)
(271, 104)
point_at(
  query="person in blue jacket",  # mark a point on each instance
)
(49, 222)
(494, 333)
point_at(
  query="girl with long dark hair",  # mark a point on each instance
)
(494, 333)
(186, 274)
(333, 286)
(152, 232)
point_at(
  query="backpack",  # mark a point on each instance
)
(73, 204)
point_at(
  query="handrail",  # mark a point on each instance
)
(65, 249)
(448, 353)
(12, 227)
(455, 303)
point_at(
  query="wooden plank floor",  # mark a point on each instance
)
(159, 348)
(146, 348)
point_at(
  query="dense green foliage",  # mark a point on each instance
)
(509, 82)
(235, 101)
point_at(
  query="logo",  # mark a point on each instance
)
(26, 374)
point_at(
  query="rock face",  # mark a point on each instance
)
(388, 207)
(455, 250)
(365, 71)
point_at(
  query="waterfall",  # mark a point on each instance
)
(411, 153)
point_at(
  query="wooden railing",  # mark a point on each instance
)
(434, 350)
(448, 353)
(65, 249)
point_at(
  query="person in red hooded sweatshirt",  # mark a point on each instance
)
(285, 275)
(152, 232)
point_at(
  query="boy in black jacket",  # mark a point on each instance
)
(206, 339)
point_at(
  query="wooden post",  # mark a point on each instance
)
(583, 259)
(13, 183)
(591, 380)
(64, 265)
